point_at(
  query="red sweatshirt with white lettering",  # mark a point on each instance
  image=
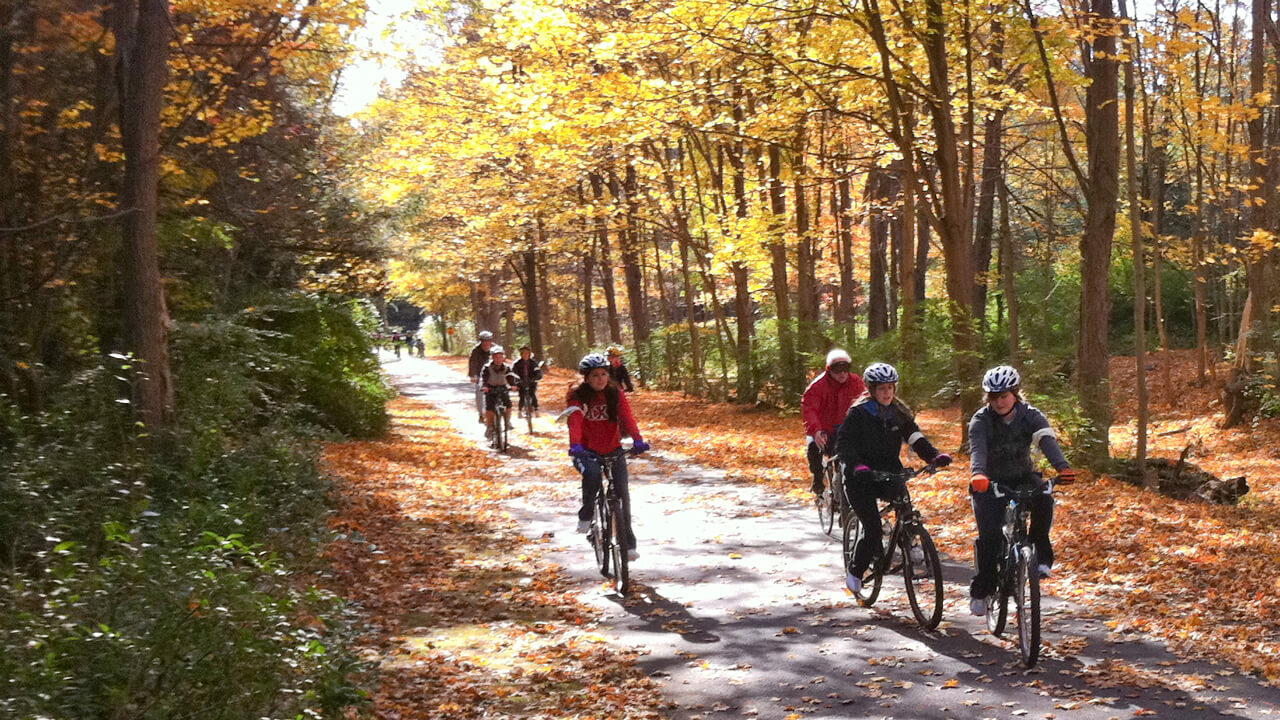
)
(590, 426)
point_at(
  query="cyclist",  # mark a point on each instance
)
(479, 356)
(618, 370)
(870, 439)
(529, 373)
(824, 405)
(598, 414)
(496, 379)
(1000, 439)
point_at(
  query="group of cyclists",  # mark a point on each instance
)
(858, 418)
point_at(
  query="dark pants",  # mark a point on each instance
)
(816, 457)
(988, 511)
(593, 481)
(863, 495)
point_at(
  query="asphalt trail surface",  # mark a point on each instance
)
(740, 606)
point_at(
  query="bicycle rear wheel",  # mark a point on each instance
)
(922, 570)
(599, 535)
(618, 548)
(504, 429)
(528, 416)
(1027, 610)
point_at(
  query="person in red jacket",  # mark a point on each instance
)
(823, 407)
(598, 413)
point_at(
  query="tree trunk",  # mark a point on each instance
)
(1009, 267)
(842, 201)
(1102, 137)
(632, 272)
(1139, 261)
(879, 192)
(529, 280)
(992, 165)
(588, 310)
(606, 261)
(142, 30)
(789, 376)
(806, 283)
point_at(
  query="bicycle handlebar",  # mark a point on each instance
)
(1027, 489)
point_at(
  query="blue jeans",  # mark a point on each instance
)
(592, 482)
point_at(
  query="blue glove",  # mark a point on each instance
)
(576, 450)
(942, 460)
(638, 446)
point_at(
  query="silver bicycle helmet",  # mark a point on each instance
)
(495, 349)
(1001, 378)
(591, 361)
(485, 335)
(877, 373)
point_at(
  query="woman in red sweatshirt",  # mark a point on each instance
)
(598, 414)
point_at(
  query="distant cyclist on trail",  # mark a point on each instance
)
(824, 405)
(618, 369)
(529, 372)
(870, 439)
(1000, 439)
(496, 380)
(598, 414)
(479, 356)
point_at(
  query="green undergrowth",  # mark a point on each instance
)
(176, 574)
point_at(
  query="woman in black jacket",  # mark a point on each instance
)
(870, 439)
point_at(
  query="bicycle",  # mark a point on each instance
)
(831, 501)
(608, 531)
(501, 429)
(906, 541)
(1017, 570)
(527, 397)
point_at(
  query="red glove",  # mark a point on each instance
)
(1066, 476)
(980, 483)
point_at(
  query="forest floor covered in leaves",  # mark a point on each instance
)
(425, 544)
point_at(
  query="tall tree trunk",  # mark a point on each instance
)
(879, 193)
(606, 261)
(1139, 260)
(588, 288)
(142, 30)
(992, 165)
(746, 391)
(1102, 137)
(842, 207)
(632, 271)
(1008, 272)
(806, 282)
(529, 281)
(789, 376)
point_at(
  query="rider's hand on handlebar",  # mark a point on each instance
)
(638, 446)
(577, 450)
(980, 483)
(820, 439)
(1066, 476)
(942, 460)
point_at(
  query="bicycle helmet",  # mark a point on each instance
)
(836, 356)
(496, 350)
(877, 373)
(485, 335)
(615, 350)
(591, 361)
(1001, 378)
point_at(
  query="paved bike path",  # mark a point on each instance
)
(740, 604)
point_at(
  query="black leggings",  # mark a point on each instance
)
(863, 495)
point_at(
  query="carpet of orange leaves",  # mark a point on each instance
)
(1202, 578)
(466, 619)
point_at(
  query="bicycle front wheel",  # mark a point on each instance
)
(599, 536)
(618, 548)
(922, 571)
(528, 416)
(1026, 595)
(504, 430)
(826, 503)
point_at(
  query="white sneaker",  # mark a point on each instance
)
(584, 525)
(1044, 570)
(853, 582)
(632, 554)
(978, 606)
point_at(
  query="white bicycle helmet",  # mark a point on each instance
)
(591, 361)
(877, 373)
(1001, 378)
(485, 335)
(495, 349)
(836, 356)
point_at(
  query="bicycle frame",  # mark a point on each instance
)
(1017, 564)
(607, 534)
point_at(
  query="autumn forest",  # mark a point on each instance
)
(199, 248)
